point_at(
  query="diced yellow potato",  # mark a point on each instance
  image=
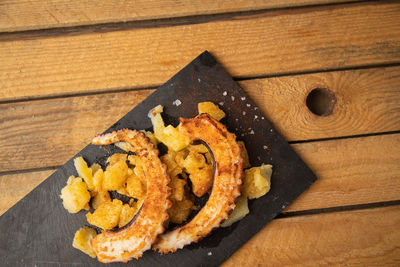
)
(211, 109)
(75, 195)
(240, 211)
(116, 158)
(198, 148)
(245, 155)
(115, 175)
(95, 167)
(99, 198)
(173, 168)
(151, 137)
(178, 188)
(84, 171)
(169, 135)
(127, 213)
(202, 180)
(98, 179)
(257, 181)
(83, 240)
(106, 216)
(180, 211)
(180, 157)
(135, 187)
(194, 161)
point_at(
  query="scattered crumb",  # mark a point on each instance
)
(251, 132)
(224, 93)
(209, 253)
(255, 108)
(271, 130)
(248, 105)
(233, 98)
(243, 98)
(177, 102)
(262, 118)
(265, 147)
(255, 117)
(199, 79)
(221, 103)
(244, 113)
(236, 119)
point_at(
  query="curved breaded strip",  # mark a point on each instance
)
(228, 174)
(132, 240)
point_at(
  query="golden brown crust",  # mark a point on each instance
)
(228, 175)
(138, 236)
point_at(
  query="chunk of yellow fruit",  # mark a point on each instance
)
(257, 181)
(115, 175)
(202, 180)
(194, 161)
(75, 195)
(100, 197)
(245, 155)
(98, 179)
(169, 159)
(84, 171)
(169, 135)
(240, 211)
(211, 109)
(114, 158)
(83, 240)
(106, 216)
(95, 167)
(180, 210)
(127, 213)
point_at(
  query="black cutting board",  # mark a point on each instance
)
(39, 231)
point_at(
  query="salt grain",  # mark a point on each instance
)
(224, 93)
(244, 113)
(248, 105)
(265, 147)
(243, 98)
(233, 98)
(209, 253)
(255, 108)
(177, 102)
(262, 118)
(251, 132)
(199, 79)
(221, 103)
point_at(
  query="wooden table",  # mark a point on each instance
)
(69, 69)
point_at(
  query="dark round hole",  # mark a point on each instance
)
(321, 101)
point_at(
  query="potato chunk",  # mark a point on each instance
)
(211, 109)
(180, 211)
(257, 181)
(98, 179)
(127, 214)
(84, 171)
(106, 216)
(82, 240)
(169, 135)
(100, 197)
(240, 211)
(75, 195)
(115, 175)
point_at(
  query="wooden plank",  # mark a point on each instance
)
(368, 237)
(368, 102)
(138, 56)
(25, 15)
(350, 172)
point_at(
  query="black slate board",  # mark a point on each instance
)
(39, 231)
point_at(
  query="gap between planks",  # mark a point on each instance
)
(350, 172)
(285, 41)
(28, 15)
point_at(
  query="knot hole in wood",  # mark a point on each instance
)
(321, 101)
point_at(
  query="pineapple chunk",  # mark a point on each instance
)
(127, 214)
(135, 187)
(194, 161)
(180, 211)
(99, 198)
(257, 181)
(106, 216)
(169, 159)
(168, 135)
(211, 109)
(95, 167)
(83, 240)
(245, 155)
(115, 175)
(84, 171)
(75, 195)
(151, 137)
(240, 211)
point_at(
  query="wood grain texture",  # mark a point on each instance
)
(368, 102)
(368, 237)
(269, 43)
(350, 172)
(21, 15)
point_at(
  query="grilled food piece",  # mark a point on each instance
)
(139, 234)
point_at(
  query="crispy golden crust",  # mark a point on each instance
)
(138, 236)
(228, 174)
